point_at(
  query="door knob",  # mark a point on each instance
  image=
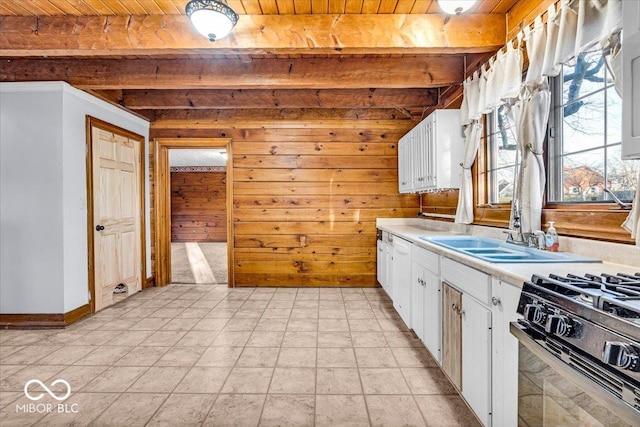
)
(99, 227)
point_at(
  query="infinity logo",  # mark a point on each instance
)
(52, 394)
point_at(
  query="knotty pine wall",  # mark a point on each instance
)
(444, 202)
(306, 196)
(198, 207)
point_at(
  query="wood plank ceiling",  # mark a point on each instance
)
(242, 7)
(398, 58)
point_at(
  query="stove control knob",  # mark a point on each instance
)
(559, 325)
(623, 355)
(535, 313)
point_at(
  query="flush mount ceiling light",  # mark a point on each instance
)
(214, 19)
(455, 7)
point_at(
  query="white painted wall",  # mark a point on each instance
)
(31, 224)
(43, 194)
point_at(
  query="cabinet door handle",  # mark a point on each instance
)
(495, 301)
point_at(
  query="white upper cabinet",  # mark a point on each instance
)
(429, 155)
(631, 80)
(405, 145)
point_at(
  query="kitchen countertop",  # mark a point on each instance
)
(516, 274)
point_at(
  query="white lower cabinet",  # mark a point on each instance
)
(474, 314)
(417, 299)
(504, 358)
(385, 270)
(401, 267)
(425, 299)
(432, 316)
(476, 351)
(381, 271)
(476, 357)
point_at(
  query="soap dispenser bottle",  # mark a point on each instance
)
(552, 238)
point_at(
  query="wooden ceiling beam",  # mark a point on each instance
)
(281, 98)
(320, 121)
(299, 73)
(254, 34)
(180, 118)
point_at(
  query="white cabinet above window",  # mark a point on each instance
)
(429, 155)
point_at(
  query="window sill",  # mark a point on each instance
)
(593, 221)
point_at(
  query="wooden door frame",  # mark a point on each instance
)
(162, 201)
(92, 122)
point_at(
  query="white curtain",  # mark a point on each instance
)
(576, 26)
(511, 79)
(513, 111)
(614, 59)
(532, 125)
(536, 41)
(597, 20)
(464, 212)
(496, 68)
(495, 82)
(531, 116)
(567, 21)
(549, 66)
(632, 223)
(471, 108)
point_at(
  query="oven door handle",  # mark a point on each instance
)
(617, 405)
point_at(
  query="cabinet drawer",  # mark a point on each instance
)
(427, 259)
(470, 281)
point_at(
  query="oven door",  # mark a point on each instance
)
(552, 393)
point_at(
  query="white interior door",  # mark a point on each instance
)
(116, 217)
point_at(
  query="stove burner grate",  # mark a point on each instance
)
(617, 294)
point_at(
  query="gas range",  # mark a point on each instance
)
(612, 301)
(591, 323)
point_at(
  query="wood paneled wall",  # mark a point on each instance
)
(307, 195)
(198, 207)
(444, 202)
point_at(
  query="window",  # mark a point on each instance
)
(584, 146)
(502, 156)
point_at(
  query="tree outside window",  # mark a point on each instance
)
(585, 148)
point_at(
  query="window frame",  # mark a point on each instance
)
(553, 145)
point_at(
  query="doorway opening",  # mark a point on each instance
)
(198, 215)
(192, 216)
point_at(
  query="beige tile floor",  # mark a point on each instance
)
(198, 355)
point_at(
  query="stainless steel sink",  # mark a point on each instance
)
(497, 251)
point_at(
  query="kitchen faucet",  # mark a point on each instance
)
(520, 238)
(535, 239)
(540, 239)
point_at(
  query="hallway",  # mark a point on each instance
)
(193, 355)
(199, 263)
